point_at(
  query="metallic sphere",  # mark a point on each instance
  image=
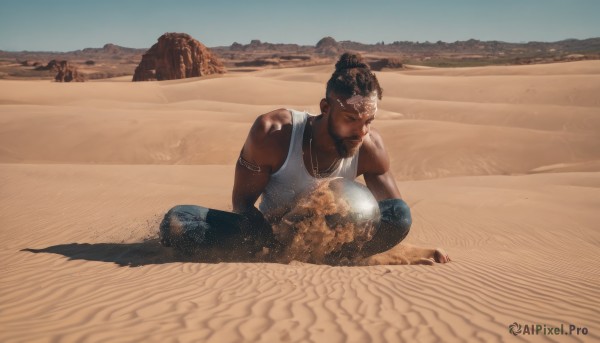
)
(329, 221)
(363, 209)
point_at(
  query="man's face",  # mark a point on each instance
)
(349, 121)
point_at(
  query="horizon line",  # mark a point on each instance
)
(339, 41)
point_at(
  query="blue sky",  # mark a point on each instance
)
(64, 25)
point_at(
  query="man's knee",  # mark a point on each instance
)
(184, 226)
(395, 219)
(393, 227)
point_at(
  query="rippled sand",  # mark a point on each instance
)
(500, 165)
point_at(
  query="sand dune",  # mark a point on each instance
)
(501, 167)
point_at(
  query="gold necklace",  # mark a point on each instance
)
(316, 172)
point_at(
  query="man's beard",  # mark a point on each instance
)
(342, 149)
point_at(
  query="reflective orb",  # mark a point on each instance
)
(338, 214)
(363, 209)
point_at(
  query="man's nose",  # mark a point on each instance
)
(363, 130)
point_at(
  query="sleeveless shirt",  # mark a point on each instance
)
(293, 179)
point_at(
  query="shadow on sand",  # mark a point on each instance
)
(136, 254)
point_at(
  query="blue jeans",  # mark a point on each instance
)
(189, 228)
(393, 227)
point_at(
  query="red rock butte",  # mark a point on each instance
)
(177, 56)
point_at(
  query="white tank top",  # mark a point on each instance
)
(293, 179)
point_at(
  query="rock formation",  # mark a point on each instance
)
(328, 46)
(391, 63)
(65, 72)
(52, 65)
(257, 63)
(28, 63)
(258, 46)
(177, 56)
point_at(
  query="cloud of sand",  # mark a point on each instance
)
(320, 227)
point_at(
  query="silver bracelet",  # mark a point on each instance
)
(249, 165)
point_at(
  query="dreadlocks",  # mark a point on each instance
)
(352, 76)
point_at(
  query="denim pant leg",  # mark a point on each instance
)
(188, 227)
(393, 228)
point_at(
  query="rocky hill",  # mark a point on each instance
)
(112, 60)
(177, 56)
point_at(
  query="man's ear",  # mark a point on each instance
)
(324, 106)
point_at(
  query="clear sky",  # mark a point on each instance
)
(64, 25)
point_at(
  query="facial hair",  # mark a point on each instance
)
(342, 150)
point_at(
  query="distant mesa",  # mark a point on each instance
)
(65, 72)
(236, 47)
(389, 63)
(177, 56)
(329, 47)
(256, 43)
(258, 46)
(111, 49)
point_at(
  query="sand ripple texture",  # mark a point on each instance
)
(88, 170)
(94, 278)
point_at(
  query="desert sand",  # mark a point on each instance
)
(500, 165)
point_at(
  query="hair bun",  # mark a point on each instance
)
(349, 61)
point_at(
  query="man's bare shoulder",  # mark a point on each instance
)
(268, 127)
(373, 158)
(269, 138)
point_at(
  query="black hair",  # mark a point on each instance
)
(352, 76)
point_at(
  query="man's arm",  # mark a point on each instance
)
(396, 218)
(248, 185)
(395, 214)
(253, 169)
(259, 156)
(374, 165)
(382, 186)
